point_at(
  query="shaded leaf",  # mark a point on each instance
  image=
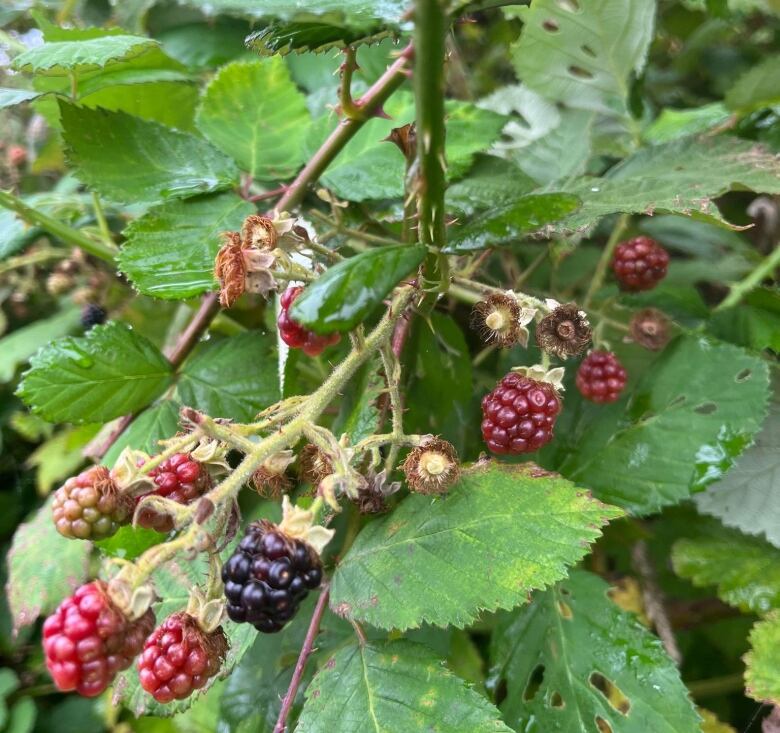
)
(501, 532)
(755, 323)
(358, 409)
(36, 584)
(128, 159)
(60, 456)
(509, 223)
(154, 424)
(346, 293)
(170, 250)
(393, 686)
(672, 124)
(253, 112)
(687, 420)
(234, 377)
(111, 371)
(316, 36)
(756, 88)
(592, 662)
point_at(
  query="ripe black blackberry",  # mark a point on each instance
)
(92, 315)
(519, 414)
(268, 576)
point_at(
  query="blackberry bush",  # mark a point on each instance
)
(308, 324)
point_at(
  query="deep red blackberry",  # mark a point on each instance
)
(179, 478)
(90, 506)
(295, 335)
(640, 264)
(179, 658)
(601, 377)
(519, 414)
(268, 576)
(88, 640)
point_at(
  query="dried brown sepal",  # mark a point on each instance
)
(431, 468)
(565, 332)
(372, 498)
(650, 328)
(259, 231)
(314, 465)
(271, 485)
(214, 643)
(230, 269)
(498, 320)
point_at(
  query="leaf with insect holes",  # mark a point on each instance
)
(393, 686)
(573, 661)
(748, 496)
(501, 532)
(686, 421)
(36, 583)
(61, 57)
(581, 54)
(169, 251)
(681, 177)
(350, 290)
(252, 111)
(111, 371)
(125, 158)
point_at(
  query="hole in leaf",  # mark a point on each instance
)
(602, 725)
(556, 700)
(564, 591)
(588, 51)
(706, 408)
(534, 683)
(744, 375)
(571, 6)
(551, 25)
(565, 610)
(611, 692)
(579, 72)
(679, 400)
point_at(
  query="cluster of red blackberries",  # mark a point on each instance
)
(268, 576)
(88, 640)
(297, 336)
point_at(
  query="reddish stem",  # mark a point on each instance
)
(268, 194)
(303, 657)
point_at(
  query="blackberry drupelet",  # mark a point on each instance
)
(268, 576)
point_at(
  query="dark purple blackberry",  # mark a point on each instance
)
(92, 315)
(268, 576)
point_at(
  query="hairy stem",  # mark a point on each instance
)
(303, 658)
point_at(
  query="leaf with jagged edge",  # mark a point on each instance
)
(573, 661)
(317, 36)
(393, 686)
(762, 663)
(501, 532)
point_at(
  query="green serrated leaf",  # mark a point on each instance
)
(12, 97)
(128, 159)
(36, 584)
(253, 112)
(317, 36)
(234, 378)
(369, 167)
(573, 661)
(346, 294)
(748, 496)
(506, 529)
(746, 570)
(393, 686)
(63, 56)
(111, 371)
(672, 124)
(582, 55)
(19, 346)
(687, 420)
(154, 424)
(759, 87)
(509, 223)
(762, 664)
(169, 252)
(682, 177)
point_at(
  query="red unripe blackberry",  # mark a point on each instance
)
(640, 264)
(601, 377)
(268, 576)
(90, 506)
(88, 640)
(179, 658)
(294, 334)
(179, 478)
(519, 414)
